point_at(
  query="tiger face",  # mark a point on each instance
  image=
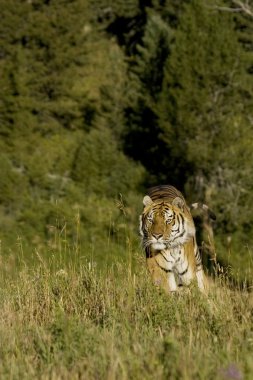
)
(165, 225)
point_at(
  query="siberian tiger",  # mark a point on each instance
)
(168, 236)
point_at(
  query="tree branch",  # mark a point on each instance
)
(241, 6)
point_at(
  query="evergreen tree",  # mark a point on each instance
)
(170, 10)
(205, 109)
(124, 19)
(63, 92)
(142, 137)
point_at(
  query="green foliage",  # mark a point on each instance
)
(93, 93)
(11, 183)
(118, 8)
(61, 123)
(146, 80)
(40, 60)
(152, 55)
(190, 104)
(101, 168)
(205, 104)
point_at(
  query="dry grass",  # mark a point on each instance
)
(73, 322)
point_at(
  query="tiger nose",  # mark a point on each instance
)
(158, 236)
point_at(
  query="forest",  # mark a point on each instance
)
(101, 99)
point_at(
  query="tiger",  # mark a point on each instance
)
(169, 238)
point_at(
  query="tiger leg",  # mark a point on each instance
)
(161, 278)
(172, 285)
(202, 280)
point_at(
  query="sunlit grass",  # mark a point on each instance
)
(67, 319)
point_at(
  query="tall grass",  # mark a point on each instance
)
(66, 319)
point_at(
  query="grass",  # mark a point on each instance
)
(69, 320)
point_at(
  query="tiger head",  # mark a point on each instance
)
(165, 225)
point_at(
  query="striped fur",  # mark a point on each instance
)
(168, 236)
(167, 192)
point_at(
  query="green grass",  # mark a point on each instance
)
(70, 320)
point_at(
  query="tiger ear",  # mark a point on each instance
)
(179, 203)
(147, 200)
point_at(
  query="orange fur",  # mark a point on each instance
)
(168, 235)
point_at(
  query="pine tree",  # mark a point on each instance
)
(146, 76)
(205, 109)
(62, 98)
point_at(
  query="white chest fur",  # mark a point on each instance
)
(175, 261)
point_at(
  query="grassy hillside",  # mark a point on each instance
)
(63, 319)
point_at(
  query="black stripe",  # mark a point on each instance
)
(181, 234)
(183, 221)
(164, 269)
(166, 192)
(166, 259)
(148, 252)
(197, 256)
(186, 270)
